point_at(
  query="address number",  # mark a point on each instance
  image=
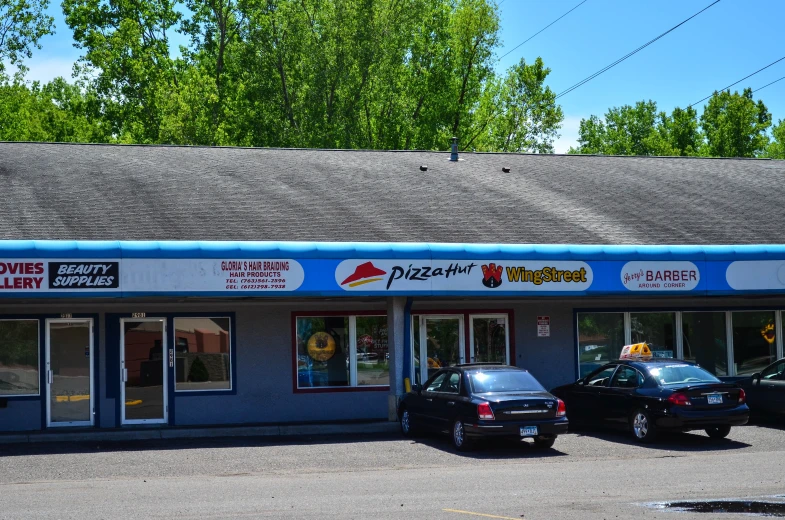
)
(67, 315)
(138, 314)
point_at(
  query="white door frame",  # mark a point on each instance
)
(506, 319)
(124, 371)
(424, 340)
(50, 374)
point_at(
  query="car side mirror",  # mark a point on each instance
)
(756, 377)
(580, 382)
(416, 388)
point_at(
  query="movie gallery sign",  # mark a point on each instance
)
(660, 276)
(463, 275)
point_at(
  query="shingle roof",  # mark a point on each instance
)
(61, 191)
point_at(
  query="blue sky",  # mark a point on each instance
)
(725, 43)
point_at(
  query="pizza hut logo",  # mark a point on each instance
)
(492, 275)
(363, 274)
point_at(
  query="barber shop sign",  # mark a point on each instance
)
(660, 276)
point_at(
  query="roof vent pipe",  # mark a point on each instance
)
(454, 150)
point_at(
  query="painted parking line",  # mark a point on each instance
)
(479, 514)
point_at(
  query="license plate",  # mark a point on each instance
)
(529, 431)
(715, 398)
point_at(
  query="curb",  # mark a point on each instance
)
(292, 430)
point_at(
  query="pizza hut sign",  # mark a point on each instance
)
(660, 276)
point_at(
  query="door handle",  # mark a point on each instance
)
(125, 375)
(450, 403)
(49, 377)
(428, 399)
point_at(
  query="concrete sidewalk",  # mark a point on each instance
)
(138, 434)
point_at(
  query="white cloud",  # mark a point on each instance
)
(569, 134)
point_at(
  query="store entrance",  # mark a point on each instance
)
(143, 359)
(69, 372)
(441, 344)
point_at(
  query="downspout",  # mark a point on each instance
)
(407, 342)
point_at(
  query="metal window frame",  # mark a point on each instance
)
(165, 370)
(174, 346)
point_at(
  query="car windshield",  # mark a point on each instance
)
(503, 381)
(681, 373)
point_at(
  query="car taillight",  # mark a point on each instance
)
(484, 412)
(561, 409)
(679, 399)
(742, 396)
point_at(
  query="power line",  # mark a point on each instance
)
(607, 68)
(767, 84)
(538, 32)
(742, 79)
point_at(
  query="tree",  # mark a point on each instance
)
(735, 125)
(524, 116)
(682, 132)
(776, 149)
(626, 130)
(22, 25)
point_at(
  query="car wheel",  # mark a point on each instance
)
(407, 425)
(459, 438)
(544, 442)
(718, 432)
(643, 427)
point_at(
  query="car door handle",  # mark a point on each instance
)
(428, 399)
(450, 403)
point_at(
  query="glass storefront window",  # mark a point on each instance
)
(600, 339)
(754, 341)
(202, 354)
(704, 340)
(326, 346)
(489, 335)
(18, 357)
(373, 360)
(657, 329)
(322, 351)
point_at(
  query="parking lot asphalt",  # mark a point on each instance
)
(587, 475)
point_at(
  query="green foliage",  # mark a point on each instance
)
(776, 149)
(55, 112)
(197, 373)
(19, 343)
(735, 125)
(732, 125)
(22, 24)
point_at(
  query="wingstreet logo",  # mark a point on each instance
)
(413, 275)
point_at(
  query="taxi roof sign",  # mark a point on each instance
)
(636, 351)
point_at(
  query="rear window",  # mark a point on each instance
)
(503, 381)
(680, 374)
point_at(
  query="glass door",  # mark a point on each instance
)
(69, 372)
(143, 359)
(441, 343)
(490, 341)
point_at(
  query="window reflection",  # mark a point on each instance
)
(202, 354)
(754, 341)
(18, 357)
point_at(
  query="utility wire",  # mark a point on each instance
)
(607, 68)
(767, 84)
(538, 32)
(742, 79)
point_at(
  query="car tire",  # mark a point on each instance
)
(544, 442)
(642, 425)
(408, 428)
(460, 440)
(718, 432)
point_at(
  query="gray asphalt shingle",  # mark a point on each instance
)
(60, 191)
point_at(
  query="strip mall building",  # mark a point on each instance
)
(177, 286)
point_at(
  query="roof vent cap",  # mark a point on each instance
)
(454, 149)
(423, 168)
(506, 169)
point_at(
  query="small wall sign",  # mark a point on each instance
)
(543, 326)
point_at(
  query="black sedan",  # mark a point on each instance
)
(766, 390)
(652, 395)
(483, 400)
